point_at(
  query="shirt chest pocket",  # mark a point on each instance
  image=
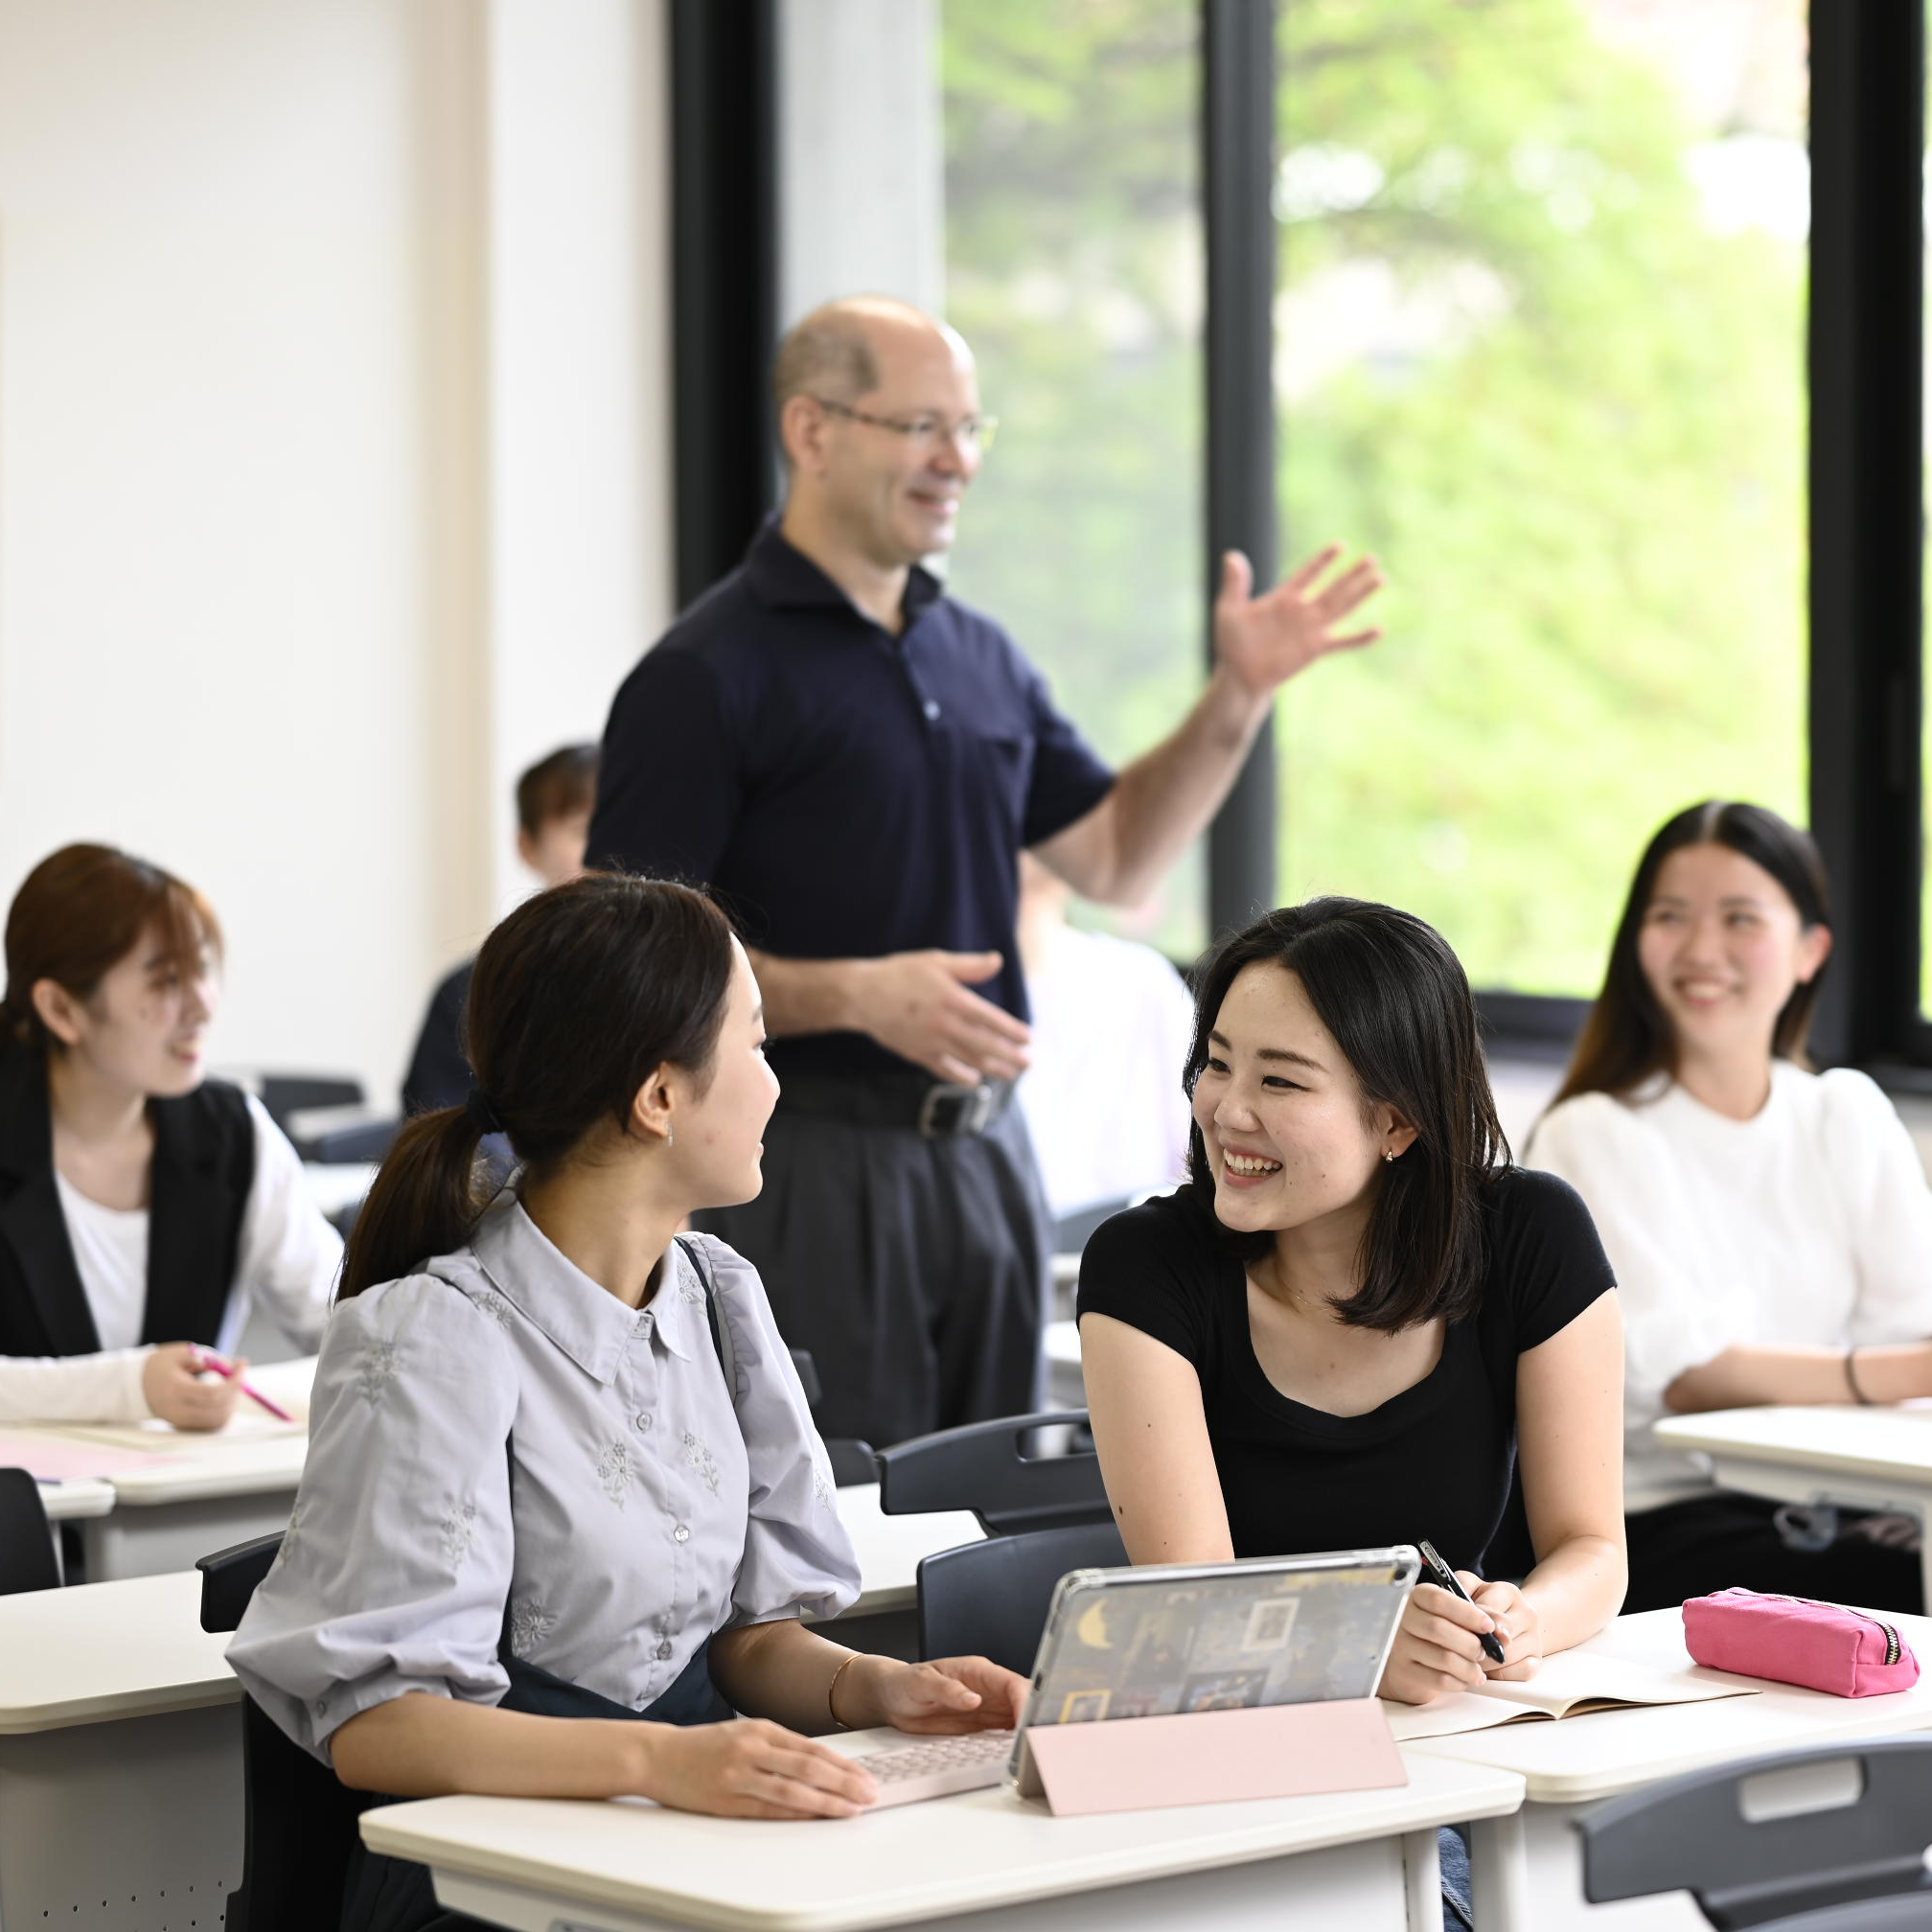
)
(996, 768)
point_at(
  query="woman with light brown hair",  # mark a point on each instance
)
(142, 1205)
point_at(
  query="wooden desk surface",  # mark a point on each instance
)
(1886, 1444)
(981, 1849)
(1578, 1760)
(108, 1650)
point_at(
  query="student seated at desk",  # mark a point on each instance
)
(554, 798)
(142, 1205)
(537, 1500)
(1357, 1312)
(1771, 1226)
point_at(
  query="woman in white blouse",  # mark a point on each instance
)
(561, 1473)
(1770, 1226)
(142, 1205)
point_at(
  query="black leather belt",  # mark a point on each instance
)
(933, 1107)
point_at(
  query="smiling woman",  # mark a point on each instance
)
(1339, 1331)
(1771, 1226)
(142, 1205)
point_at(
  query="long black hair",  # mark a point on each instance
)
(1628, 1037)
(1387, 987)
(578, 996)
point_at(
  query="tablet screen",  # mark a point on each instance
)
(1140, 1645)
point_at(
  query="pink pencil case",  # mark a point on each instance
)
(1793, 1640)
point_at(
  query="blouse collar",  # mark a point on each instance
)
(585, 1320)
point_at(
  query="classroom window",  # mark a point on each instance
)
(1540, 344)
(1073, 264)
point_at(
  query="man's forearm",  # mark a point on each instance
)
(809, 995)
(1167, 797)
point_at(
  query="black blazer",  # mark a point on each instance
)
(204, 1166)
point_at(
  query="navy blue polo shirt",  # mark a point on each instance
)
(846, 793)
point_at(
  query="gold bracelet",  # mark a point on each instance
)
(830, 1710)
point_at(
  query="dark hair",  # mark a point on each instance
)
(81, 910)
(1387, 986)
(557, 785)
(577, 996)
(1628, 1037)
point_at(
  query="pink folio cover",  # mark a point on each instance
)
(1795, 1640)
(1213, 1757)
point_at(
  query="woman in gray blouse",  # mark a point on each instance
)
(560, 1466)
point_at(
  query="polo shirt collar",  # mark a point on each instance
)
(587, 1321)
(785, 579)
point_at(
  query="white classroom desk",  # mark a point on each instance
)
(120, 1758)
(1868, 1458)
(1529, 1866)
(980, 1862)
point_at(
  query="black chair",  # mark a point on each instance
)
(991, 1599)
(26, 1558)
(853, 1462)
(1847, 1857)
(301, 1819)
(986, 1467)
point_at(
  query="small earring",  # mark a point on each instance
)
(669, 1137)
(1388, 1153)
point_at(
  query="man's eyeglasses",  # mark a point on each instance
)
(971, 433)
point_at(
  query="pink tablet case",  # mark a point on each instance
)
(1210, 1757)
(1794, 1640)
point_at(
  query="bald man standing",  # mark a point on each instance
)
(854, 760)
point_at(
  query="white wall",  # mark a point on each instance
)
(325, 497)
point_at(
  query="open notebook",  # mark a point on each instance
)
(1570, 1685)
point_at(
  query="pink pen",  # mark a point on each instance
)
(203, 1358)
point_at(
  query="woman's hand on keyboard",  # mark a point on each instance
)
(750, 1768)
(949, 1695)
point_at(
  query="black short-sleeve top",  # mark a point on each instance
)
(1434, 1461)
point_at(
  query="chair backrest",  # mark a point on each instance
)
(301, 1818)
(986, 1467)
(26, 1558)
(991, 1599)
(1835, 1834)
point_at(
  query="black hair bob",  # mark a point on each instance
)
(1397, 1002)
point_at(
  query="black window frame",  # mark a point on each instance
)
(1864, 362)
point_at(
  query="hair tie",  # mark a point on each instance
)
(482, 1115)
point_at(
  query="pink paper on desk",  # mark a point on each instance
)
(58, 1461)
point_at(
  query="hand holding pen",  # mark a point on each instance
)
(207, 1359)
(1455, 1634)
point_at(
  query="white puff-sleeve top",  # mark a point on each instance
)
(641, 1506)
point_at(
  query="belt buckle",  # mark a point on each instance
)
(973, 1104)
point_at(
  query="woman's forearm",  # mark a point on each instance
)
(1577, 1588)
(783, 1671)
(420, 1745)
(1745, 1376)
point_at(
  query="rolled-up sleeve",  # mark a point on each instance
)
(394, 1571)
(798, 1558)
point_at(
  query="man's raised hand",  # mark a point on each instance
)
(1263, 642)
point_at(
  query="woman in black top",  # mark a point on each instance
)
(1339, 1331)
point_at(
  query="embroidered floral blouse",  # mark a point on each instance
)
(650, 1506)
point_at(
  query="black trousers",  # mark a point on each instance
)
(1709, 1543)
(915, 1271)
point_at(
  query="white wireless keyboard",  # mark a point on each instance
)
(935, 1767)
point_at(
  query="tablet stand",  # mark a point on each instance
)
(1210, 1757)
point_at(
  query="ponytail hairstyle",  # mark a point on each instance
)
(80, 911)
(1395, 995)
(1628, 1037)
(578, 996)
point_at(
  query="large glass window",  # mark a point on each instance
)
(1540, 345)
(1073, 265)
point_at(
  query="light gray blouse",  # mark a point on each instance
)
(650, 1506)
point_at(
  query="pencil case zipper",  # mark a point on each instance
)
(1893, 1644)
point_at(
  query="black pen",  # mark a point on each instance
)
(1445, 1578)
